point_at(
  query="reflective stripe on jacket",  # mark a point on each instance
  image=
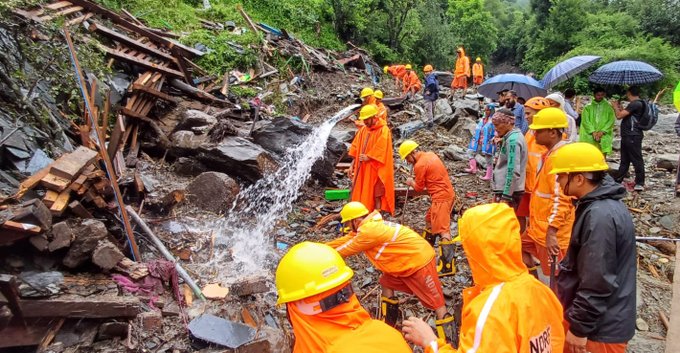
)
(392, 248)
(549, 206)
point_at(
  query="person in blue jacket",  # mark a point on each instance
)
(430, 94)
(482, 143)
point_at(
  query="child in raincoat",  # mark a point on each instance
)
(482, 143)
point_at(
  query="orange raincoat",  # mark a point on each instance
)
(534, 157)
(461, 71)
(508, 310)
(382, 111)
(368, 100)
(477, 73)
(431, 174)
(549, 205)
(411, 82)
(392, 248)
(376, 143)
(398, 72)
(346, 328)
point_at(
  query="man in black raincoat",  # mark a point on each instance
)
(597, 277)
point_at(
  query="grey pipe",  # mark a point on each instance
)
(159, 245)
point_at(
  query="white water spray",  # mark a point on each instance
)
(248, 228)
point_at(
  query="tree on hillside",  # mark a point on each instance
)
(434, 41)
(350, 17)
(541, 9)
(397, 14)
(473, 27)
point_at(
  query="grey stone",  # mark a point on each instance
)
(197, 121)
(616, 144)
(213, 329)
(443, 107)
(455, 153)
(237, 157)
(186, 166)
(187, 140)
(88, 235)
(465, 128)
(641, 325)
(471, 107)
(669, 222)
(62, 235)
(668, 161)
(403, 131)
(106, 255)
(213, 191)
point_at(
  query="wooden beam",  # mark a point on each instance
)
(182, 67)
(673, 335)
(79, 19)
(57, 5)
(133, 43)
(92, 307)
(20, 335)
(116, 136)
(143, 31)
(64, 12)
(120, 55)
(70, 165)
(155, 93)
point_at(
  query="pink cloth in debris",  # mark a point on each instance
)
(160, 271)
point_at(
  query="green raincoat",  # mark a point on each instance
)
(598, 116)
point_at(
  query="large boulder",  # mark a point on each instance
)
(668, 161)
(238, 158)
(471, 107)
(213, 192)
(455, 153)
(87, 237)
(446, 121)
(405, 130)
(465, 128)
(444, 78)
(196, 121)
(282, 134)
(443, 107)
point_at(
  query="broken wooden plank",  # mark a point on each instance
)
(79, 19)
(70, 165)
(49, 336)
(33, 180)
(10, 290)
(130, 42)
(31, 15)
(131, 158)
(143, 31)
(116, 136)
(59, 206)
(22, 227)
(155, 93)
(50, 198)
(19, 335)
(120, 55)
(183, 68)
(673, 335)
(92, 307)
(58, 5)
(131, 17)
(55, 183)
(64, 12)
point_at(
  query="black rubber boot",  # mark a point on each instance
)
(446, 330)
(389, 310)
(445, 264)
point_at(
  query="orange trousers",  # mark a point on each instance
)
(460, 82)
(438, 217)
(423, 283)
(598, 347)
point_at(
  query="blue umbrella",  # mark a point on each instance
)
(626, 72)
(568, 69)
(525, 86)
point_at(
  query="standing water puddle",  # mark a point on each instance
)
(245, 238)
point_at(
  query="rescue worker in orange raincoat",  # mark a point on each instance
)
(382, 110)
(431, 175)
(398, 72)
(372, 171)
(551, 212)
(477, 72)
(367, 96)
(406, 260)
(461, 73)
(534, 155)
(314, 283)
(507, 310)
(412, 84)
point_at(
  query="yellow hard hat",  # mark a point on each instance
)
(478, 59)
(309, 269)
(378, 94)
(408, 67)
(385, 69)
(550, 118)
(368, 111)
(578, 157)
(406, 148)
(367, 91)
(427, 68)
(353, 210)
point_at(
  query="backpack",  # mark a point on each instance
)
(649, 117)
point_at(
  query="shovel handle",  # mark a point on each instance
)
(553, 282)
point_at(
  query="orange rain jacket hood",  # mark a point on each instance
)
(347, 328)
(462, 65)
(508, 310)
(376, 142)
(392, 248)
